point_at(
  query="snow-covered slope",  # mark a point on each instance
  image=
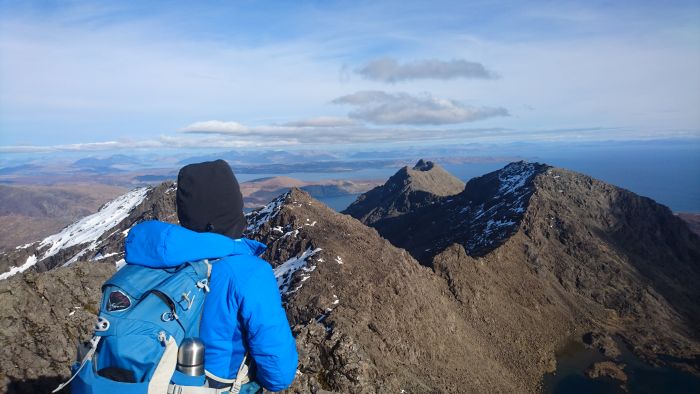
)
(31, 260)
(90, 229)
(95, 237)
(497, 216)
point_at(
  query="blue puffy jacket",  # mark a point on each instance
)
(243, 307)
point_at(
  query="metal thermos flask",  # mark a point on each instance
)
(190, 357)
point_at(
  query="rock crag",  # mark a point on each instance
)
(407, 190)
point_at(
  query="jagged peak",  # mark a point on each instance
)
(423, 165)
(430, 177)
(297, 194)
(259, 217)
(406, 190)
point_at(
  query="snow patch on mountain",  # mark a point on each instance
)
(285, 271)
(259, 217)
(514, 176)
(498, 218)
(91, 228)
(31, 260)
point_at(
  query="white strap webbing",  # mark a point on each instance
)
(240, 375)
(241, 378)
(176, 389)
(93, 346)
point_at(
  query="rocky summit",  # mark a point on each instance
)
(519, 262)
(479, 218)
(407, 190)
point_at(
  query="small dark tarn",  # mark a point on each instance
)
(575, 358)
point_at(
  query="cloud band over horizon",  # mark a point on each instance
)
(383, 108)
(217, 134)
(390, 70)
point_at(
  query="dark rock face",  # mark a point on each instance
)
(623, 254)
(555, 253)
(43, 316)
(601, 342)
(608, 369)
(405, 191)
(605, 258)
(423, 165)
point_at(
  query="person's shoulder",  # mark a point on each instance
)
(247, 265)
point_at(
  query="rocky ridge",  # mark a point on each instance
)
(605, 258)
(370, 318)
(582, 256)
(479, 218)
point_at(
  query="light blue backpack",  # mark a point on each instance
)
(144, 317)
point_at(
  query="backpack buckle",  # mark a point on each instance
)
(190, 301)
(102, 324)
(203, 284)
(168, 316)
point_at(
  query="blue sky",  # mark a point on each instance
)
(95, 76)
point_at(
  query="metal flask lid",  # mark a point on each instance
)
(190, 357)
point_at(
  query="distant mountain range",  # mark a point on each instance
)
(30, 212)
(144, 170)
(471, 290)
(264, 157)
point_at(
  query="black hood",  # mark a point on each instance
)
(209, 199)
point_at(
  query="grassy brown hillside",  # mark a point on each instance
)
(29, 213)
(692, 219)
(259, 192)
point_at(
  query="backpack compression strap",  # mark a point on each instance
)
(93, 346)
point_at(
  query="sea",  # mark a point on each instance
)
(666, 171)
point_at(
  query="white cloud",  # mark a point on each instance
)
(389, 70)
(401, 108)
(322, 121)
(216, 126)
(322, 133)
(163, 142)
(87, 146)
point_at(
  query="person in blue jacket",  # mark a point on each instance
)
(243, 311)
